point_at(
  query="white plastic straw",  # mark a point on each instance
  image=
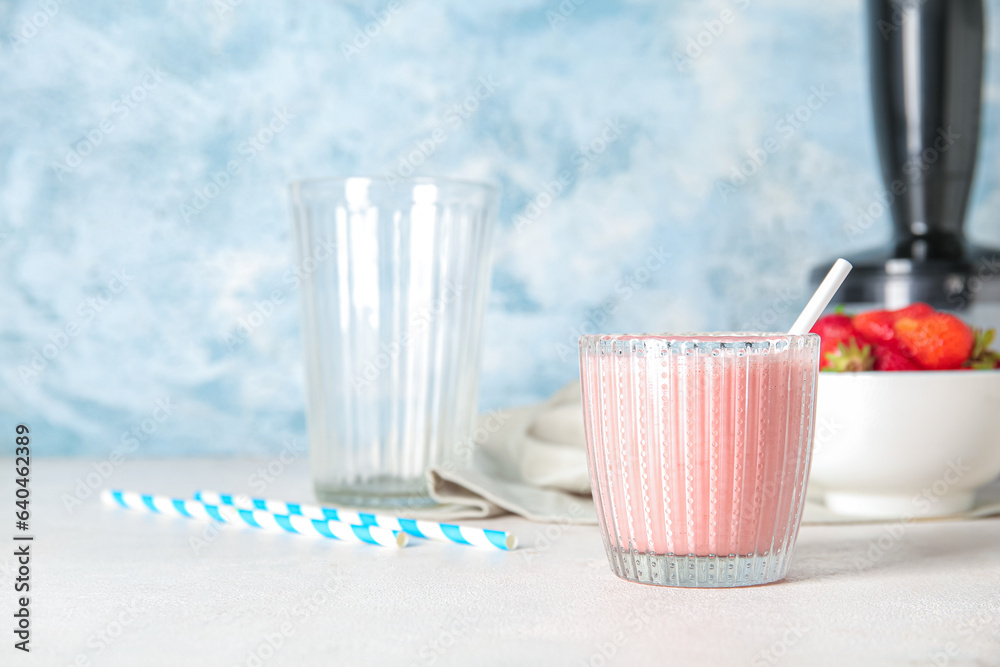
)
(821, 298)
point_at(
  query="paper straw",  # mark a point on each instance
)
(299, 525)
(821, 298)
(431, 530)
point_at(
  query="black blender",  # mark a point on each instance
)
(926, 59)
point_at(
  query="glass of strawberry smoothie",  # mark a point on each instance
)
(698, 447)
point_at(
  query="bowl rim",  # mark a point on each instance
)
(949, 373)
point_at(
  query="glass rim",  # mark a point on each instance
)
(695, 336)
(321, 181)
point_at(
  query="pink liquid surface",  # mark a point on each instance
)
(699, 454)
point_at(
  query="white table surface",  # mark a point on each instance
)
(114, 587)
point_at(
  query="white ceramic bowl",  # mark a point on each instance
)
(905, 444)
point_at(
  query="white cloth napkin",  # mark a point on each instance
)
(532, 461)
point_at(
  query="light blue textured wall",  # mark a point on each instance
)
(114, 116)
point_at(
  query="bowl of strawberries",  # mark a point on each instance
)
(907, 413)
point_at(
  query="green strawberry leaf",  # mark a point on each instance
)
(981, 357)
(850, 358)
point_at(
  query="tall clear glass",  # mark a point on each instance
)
(394, 277)
(699, 451)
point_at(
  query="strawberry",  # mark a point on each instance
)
(842, 348)
(876, 325)
(834, 327)
(833, 330)
(889, 357)
(937, 341)
(848, 357)
(915, 310)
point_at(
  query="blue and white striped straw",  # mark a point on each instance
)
(430, 530)
(296, 524)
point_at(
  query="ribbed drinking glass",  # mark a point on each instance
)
(394, 278)
(698, 447)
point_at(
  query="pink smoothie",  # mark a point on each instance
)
(700, 454)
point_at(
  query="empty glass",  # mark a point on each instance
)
(394, 282)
